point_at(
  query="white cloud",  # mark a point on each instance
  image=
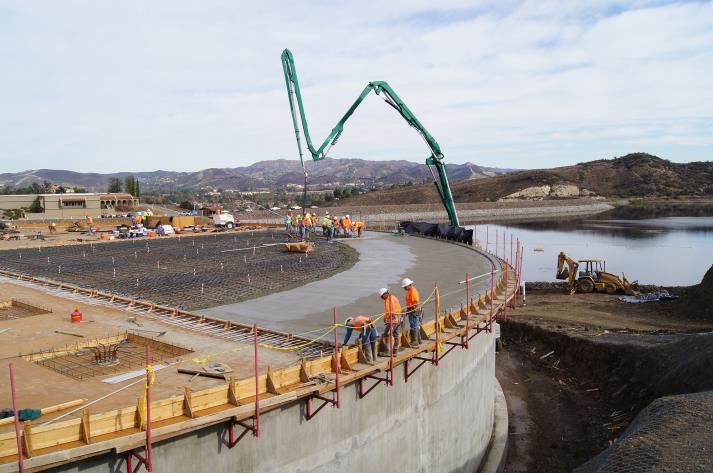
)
(101, 86)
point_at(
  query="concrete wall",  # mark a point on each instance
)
(440, 421)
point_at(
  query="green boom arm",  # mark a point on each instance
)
(387, 93)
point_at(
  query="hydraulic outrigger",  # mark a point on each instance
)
(385, 91)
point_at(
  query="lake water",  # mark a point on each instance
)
(669, 246)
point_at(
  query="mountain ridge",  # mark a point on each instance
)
(262, 174)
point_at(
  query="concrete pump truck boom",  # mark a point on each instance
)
(435, 160)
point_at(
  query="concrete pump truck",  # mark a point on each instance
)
(435, 160)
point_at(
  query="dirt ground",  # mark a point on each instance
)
(577, 369)
(592, 314)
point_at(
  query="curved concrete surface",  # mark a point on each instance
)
(384, 259)
(439, 422)
(494, 462)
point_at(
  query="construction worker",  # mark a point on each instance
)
(308, 223)
(347, 224)
(392, 321)
(301, 226)
(414, 311)
(288, 223)
(335, 225)
(359, 228)
(367, 334)
(90, 224)
(327, 227)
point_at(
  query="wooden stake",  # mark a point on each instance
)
(27, 438)
(86, 431)
(188, 403)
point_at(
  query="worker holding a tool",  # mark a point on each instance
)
(327, 227)
(367, 334)
(414, 311)
(392, 321)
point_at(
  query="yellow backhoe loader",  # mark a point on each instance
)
(592, 276)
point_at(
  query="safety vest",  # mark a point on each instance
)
(413, 298)
(360, 321)
(347, 223)
(392, 310)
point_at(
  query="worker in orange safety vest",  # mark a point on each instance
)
(392, 321)
(367, 334)
(414, 311)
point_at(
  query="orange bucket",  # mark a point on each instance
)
(76, 316)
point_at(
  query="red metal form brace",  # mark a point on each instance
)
(337, 368)
(20, 465)
(255, 427)
(147, 460)
(492, 296)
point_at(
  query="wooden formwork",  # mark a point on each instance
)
(122, 430)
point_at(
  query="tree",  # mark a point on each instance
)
(137, 190)
(129, 184)
(114, 185)
(186, 205)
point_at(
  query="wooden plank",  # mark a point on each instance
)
(304, 376)
(188, 403)
(27, 438)
(86, 429)
(271, 388)
(344, 362)
(232, 395)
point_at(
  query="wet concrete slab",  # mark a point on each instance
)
(384, 259)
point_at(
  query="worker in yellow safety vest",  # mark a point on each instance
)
(392, 321)
(414, 311)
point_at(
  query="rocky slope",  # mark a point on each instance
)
(633, 175)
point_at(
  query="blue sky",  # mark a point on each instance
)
(127, 86)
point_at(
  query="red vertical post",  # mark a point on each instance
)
(20, 465)
(390, 314)
(492, 296)
(149, 459)
(438, 322)
(522, 252)
(336, 355)
(467, 307)
(256, 425)
(511, 248)
(505, 292)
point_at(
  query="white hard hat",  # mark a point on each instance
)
(347, 215)
(348, 320)
(383, 291)
(406, 282)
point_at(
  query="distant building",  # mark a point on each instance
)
(43, 206)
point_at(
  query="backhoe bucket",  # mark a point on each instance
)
(563, 275)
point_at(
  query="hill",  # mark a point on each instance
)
(263, 174)
(633, 175)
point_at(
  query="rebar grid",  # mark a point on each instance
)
(14, 309)
(101, 359)
(189, 272)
